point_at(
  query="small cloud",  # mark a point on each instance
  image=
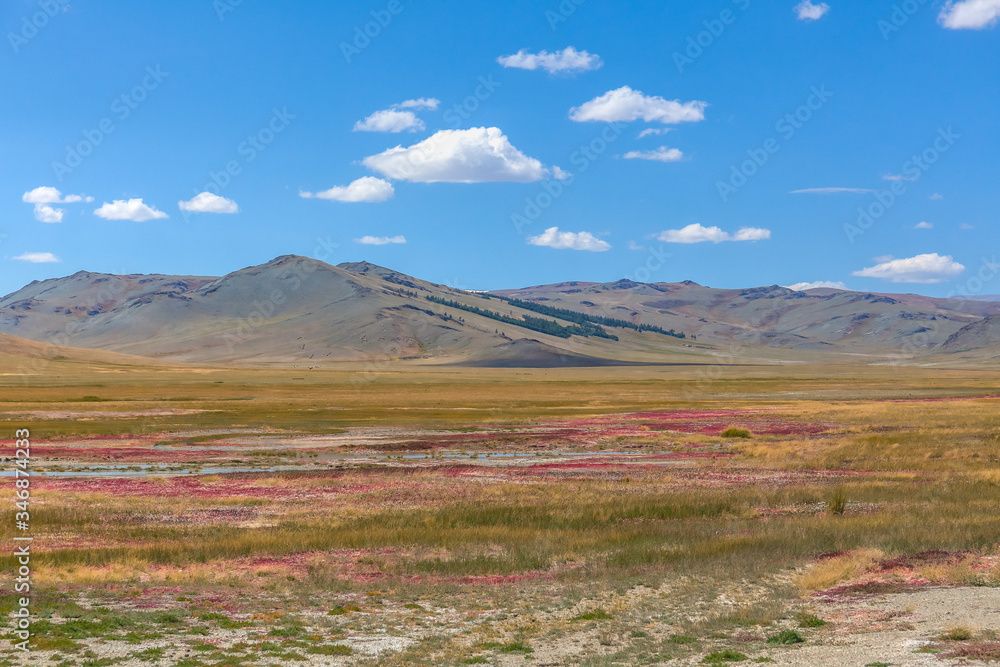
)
(206, 202)
(661, 154)
(476, 155)
(965, 226)
(558, 62)
(380, 240)
(936, 196)
(553, 238)
(923, 225)
(831, 191)
(132, 209)
(632, 245)
(626, 105)
(366, 189)
(41, 197)
(969, 14)
(899, 177)
(37, 257)
(654, 132)
(696, 233)
(47, 195)
(559, 174)
(390, 120)
(802, 287)
(421, 103)
(925, 269)
(807, 11)
(45, 213)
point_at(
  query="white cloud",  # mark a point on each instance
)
(632, 245)
(476, 155)
(970, 14)
(625, 104)
(559, 174)
(132, 209)
(831, 191)
(965, 226)
(37, 257)
(751, 234)
(47, 195)
(927, 268)
(41, 197)
(661, 154)
(923, 225)
(654, 132)
(899, 177)
(366, 189)
(802, 287)
(206, 202)
(380, 240)
(45, 213)
(553, 238)
(696, 233)
(421, 103)
(936, 196)
(567, 60)
(390, 120)
(807, 11)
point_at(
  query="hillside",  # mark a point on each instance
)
(305, 313)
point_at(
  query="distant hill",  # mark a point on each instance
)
(305, 313)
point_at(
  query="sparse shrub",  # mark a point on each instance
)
(957, 634)
(330, 649)
(734, 432)
(810, 621)
(837, 504)
(720, 657)
(682, 639)
(596, 615)
(786, 638)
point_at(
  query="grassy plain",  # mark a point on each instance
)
(413, 515)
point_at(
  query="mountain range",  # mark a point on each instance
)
(302, 312)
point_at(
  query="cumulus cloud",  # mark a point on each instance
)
(970, 14)
(47, 195)
(37, 257)
(476, 155)
(206, 202)
(390, 120)
(807, 11)
(41, 197)
(696, 233)
(46, 213)
(927, 268)
(366, 189)
(625, 104)
(653, 132)
(802, 287)
(421, 103)
(131, 209)
(923, 225)
(831, 191)
(553, 238)
(567, 60)
(661, 154)
(380, 240)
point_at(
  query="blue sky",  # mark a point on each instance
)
(768, 129)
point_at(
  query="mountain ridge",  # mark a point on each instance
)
(299, 311)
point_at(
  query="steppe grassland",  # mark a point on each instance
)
(506, 556)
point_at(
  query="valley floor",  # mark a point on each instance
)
(800, 516)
